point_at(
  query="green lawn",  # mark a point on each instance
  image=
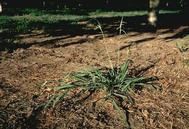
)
(27, 19)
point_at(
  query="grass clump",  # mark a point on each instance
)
(117, 84)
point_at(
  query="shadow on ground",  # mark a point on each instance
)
(67, 29)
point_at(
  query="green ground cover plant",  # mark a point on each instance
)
(24, 20)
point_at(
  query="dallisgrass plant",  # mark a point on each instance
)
(117, 82)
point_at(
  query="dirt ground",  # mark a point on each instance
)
(23, 72)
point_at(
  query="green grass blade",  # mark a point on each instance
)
(49, 102)
(59, 97)
(121, 113)
(123, 71)
(65, 86)
(120, 95)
